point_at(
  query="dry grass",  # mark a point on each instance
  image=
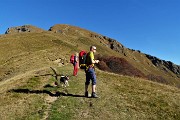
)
(28, 51)
(121, 97)
(27, 84)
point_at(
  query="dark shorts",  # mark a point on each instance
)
(90, 75)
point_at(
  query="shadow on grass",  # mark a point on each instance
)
(56, 94)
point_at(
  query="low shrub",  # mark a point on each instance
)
(119, 66)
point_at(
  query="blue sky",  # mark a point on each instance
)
(151, 26)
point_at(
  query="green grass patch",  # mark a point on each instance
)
(121, 97)
(31, 83)
(62, 109)
(62, 43)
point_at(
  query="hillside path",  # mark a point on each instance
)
(5, 83)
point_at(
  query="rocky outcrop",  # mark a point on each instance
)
(118, 47)
(55, 30)
(24, 28)
(171, 66)
(114, 45)
(96, 36)
(168, 64)
(109, 42)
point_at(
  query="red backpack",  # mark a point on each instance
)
(72, 59)
(82, 59)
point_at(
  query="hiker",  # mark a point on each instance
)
(76, 64)
(90, 72)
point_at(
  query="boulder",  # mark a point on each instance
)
(24, 28)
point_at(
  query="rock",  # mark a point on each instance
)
(24, 28)
(114, 45)
(168, 64)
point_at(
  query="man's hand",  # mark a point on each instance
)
(96, 61)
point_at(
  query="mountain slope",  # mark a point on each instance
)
(154, 69)
(27, 82)
(34, 96)
(25, 51)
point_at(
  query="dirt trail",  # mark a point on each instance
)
(49, 101)
(6, 84)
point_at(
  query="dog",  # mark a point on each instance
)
(63, 80)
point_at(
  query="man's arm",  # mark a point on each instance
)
(92, 58)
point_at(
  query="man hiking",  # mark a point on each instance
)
(90, 72)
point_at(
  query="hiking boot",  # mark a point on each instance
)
(94, 95)
(86, 94)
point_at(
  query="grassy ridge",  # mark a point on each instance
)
(121, 97)
(28, 51)
(27, 84)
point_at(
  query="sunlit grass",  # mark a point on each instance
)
(33, 95)
(121, 97)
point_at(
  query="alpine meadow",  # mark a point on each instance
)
(132, 85)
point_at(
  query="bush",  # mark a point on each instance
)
(155, 78)
(119, 66)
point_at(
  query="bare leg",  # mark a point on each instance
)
(93, 88)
